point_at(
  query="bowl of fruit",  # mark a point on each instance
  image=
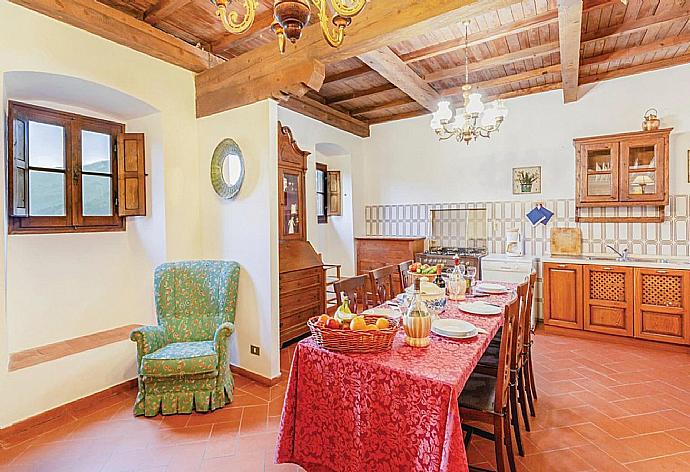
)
(425, 270)
(361, 333)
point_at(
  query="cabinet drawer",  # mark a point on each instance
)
(295, 301)
(304, 279)
(289, 320)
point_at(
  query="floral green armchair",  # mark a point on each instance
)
(182, 363)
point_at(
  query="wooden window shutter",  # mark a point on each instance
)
(335, 199)
(19, 170)
(131, 175)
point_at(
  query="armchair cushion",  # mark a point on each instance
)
(176, 359)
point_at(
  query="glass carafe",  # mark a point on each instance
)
(417, 320)
(456, 281)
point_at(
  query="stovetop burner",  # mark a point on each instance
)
(460, 251)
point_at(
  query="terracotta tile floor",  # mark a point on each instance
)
(602, 407)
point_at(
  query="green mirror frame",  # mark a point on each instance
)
(227, 148)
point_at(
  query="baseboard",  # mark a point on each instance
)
(611, 338)
(33, 426)
(254, 376)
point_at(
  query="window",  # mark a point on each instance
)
(321, 193)
(64, 170)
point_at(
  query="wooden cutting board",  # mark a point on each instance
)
(566, 241)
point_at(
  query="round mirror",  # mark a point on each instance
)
(227, 169)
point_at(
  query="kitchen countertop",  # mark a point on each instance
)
(393, 238)
(652, 262)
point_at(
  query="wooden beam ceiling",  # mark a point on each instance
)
(394, 70)
(380, 24)
(641, 24)
(637, 50)
(317, 110)
(399, 116)
(383, 106)
(122, 28)
(484, 64)
(482, 37)
(625, 71)
(346, 97)
(525, 91)
(163, 9)
(262, 23)
(505, 80)
(569, 31)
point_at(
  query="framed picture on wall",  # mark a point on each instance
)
(526, 180)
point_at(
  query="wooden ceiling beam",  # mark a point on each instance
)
(634, 51)
(524, 91)
(637, 25)
(309, 107)
(626, 71)
(399, 116)
(569, 32)
(346, 97)
(394, 70)
(123, 29)
(383, 106)
(520, 55)
(380, 23)
(348, 74)
(163, 9)
(261, 24)
(505, 80)
(482, 37)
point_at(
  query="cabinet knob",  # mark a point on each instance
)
(561, 265)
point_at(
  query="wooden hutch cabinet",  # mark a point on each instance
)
(628, 169)
(302, 280)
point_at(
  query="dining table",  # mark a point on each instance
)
(395, 410)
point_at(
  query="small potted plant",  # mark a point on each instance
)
(526, 179)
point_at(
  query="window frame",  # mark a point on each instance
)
(74, 221)
(321, 219)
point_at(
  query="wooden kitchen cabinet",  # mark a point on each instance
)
(374, 252)
(608, 299)
(563, 295)
(662, 305)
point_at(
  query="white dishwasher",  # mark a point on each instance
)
(513, 269)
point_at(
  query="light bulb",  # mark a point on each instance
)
(444, 112)
(474, 104)
(501, 109)
(490, 115)
(435, 122)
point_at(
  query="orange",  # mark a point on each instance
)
(322, 319)
(382, 323)
(372, 328)
(358, 324)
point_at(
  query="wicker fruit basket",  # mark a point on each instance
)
(345, 340)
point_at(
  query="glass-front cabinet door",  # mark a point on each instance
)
(599, 172)
(642, 169)
(291, 218)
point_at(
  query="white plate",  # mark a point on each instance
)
(454, 328)
(389, 312)
(480, 308)
(428, 290)
(491, 288)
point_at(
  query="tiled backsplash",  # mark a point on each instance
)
(669, 238)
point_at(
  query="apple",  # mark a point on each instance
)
(333, 323)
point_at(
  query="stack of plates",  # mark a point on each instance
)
(480, 308)
(486, 287)
(456, 329)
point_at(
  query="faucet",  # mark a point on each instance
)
(622, 256)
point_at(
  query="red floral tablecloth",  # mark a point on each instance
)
(390, 411)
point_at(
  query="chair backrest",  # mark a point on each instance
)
(519, 332)
(510, 317)
(194, 297)
(527, 324)
(382, 283)
(356, 290)
(405, 279)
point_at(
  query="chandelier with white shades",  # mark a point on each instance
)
(478, 120)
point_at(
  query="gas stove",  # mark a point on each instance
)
(469, 256)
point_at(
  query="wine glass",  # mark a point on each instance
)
(471, 274)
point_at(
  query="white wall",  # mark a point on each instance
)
(61, 286)
(245, 229)
(405, 162)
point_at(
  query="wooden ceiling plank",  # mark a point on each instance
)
(383, 106)
(483, 37)
(524, 91)
(348, 74)
(262, 23)
(123, 29)
(644, 49)
(505, 80)
(650, 66)
(314, 109)
(346, 97)
(399, 116)
(380, 24)
(641, 24)
(520, 55)
(163, 9)
(569, 30)
(394, 70)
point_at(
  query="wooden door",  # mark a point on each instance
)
(291, 206)
(662, 310)
(608, 299)
(643, 169)
(597, 175)
(563, 295)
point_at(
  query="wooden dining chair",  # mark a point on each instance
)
(355, 288)
(489, 365)
(486, 398)
(406, 279)
(383, 283)
(527, 369)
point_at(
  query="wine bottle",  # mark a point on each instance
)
(439, 280)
